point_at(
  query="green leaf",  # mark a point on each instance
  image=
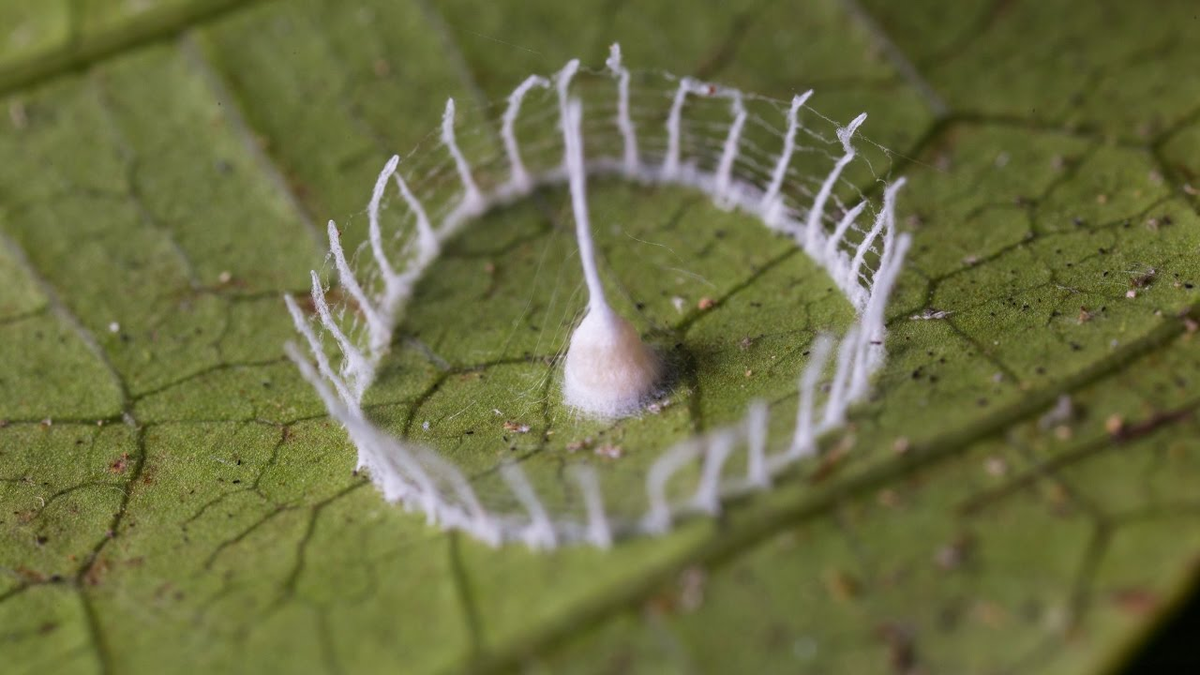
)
(174, 495)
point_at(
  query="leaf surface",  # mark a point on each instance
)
(173, 492)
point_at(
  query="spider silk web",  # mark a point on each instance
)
(801, 176)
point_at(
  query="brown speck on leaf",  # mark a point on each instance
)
(489, 267)
(989, 614)
(1058, 497)
(382, 68)
(1114, 425)
(1084, 315)
(749, 373)
(902, 653)
(901, 445)
(706, 303)
(46, 423)
(660, 604)
(96, 571)
(832, 461)
(1136, 601)
(1102, 199)
(971, 260)
(120, 464)
(745, 343)
(1190, 325)
(1128, 432)
(842, 585)
(888, 498)
(30, 576)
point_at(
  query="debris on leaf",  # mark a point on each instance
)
(610, 451)
(1062, 413)
(1143, 279)
(17, 114)
(831, 461)
(930, 314)
(691, 589)
(888, 498)
(519, 428)
(902, 653)
(996, 466)
(575, 446)
(1136, 601)
(957, 553)
(120, 464)
(706, 303)
(841, 584)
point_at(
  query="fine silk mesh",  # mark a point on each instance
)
(777, 162)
